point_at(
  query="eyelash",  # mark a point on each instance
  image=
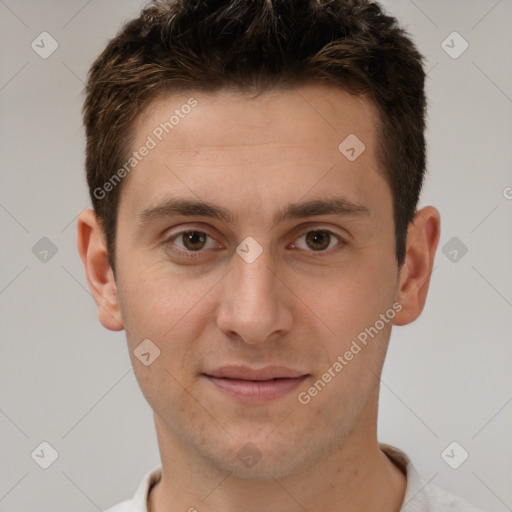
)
(195, 254)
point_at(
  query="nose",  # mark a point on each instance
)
(255, 306)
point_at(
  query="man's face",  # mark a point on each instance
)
(298, 304)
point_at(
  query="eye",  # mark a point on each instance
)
(319, 240)
(185, 243)
(191, 242)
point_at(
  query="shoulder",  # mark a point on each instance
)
(423, 496)
(435, 499)
(139, 501)
(124, 506)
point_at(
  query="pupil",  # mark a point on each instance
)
(192, 238)
(317, 237)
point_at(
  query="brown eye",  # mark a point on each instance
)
(318, 240)
(193, 240)
(191, 244)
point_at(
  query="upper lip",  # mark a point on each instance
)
(248, 373)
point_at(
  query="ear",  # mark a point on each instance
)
(422, 239)
(93, 253)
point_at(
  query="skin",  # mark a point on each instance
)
(290, 306)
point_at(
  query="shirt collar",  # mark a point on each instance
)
(140, 499)
(415, 500)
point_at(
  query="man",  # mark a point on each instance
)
(255, 169)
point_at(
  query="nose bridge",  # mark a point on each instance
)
(252, 302)
(252, 284)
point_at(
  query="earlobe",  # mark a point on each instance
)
(93, 253)
(422, 240)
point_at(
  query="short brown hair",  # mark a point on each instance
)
(256, 45)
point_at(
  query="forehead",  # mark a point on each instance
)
(232, 145)
(284, 113)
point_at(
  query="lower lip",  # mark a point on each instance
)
(256, 391)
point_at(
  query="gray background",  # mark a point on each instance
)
(66, 380)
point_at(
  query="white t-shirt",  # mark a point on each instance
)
(419, 496)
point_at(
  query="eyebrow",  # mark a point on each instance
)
(340, 206)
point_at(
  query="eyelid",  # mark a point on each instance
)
(305, 230)
(170, 238)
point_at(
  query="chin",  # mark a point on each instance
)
(261, 459)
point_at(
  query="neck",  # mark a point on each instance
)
(356, 475)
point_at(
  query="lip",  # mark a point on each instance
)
(250, 385)
(248, 373)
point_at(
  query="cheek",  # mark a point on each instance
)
(354, 297)
(168, 310)
(351, 305)
(157, 301)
